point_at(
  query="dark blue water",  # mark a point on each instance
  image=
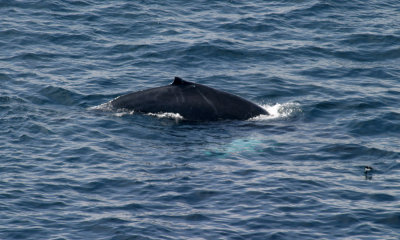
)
(327, 71)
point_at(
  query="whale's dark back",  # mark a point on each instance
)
(194, 102)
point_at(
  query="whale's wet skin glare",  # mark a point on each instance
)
(194, 102)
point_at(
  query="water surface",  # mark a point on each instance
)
(327, 71)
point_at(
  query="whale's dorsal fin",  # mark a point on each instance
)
(180, 82)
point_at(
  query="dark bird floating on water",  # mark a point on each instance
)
(193, 101)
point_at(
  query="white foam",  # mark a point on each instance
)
(278, 110)
(168, 115)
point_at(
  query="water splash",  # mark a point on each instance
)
(278, 111)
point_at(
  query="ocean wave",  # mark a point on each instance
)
(60, 95)
(388, 124)
(351, 151)
(370, 40)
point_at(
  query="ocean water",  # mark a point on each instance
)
(328, 72)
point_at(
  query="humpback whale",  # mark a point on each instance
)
(193, 101)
